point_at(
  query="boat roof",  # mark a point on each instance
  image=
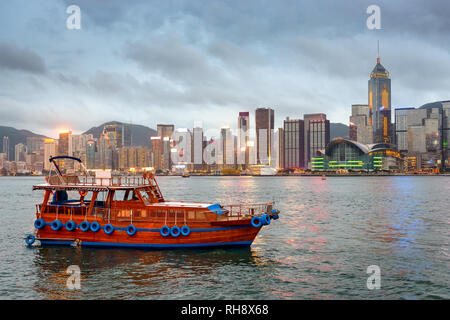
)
(89, 183)
(181, 204)
(93, 187)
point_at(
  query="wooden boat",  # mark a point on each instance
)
(105, 210)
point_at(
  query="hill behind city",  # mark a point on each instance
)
(15, 136)
(140, 135)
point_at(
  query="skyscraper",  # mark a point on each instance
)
(360, 129)
(243, 138)
(380, 104)
(165, 132)
(316, 136)
(294, 144)
(49, 151)
(6, 147)
(264, 125)
(20, 152)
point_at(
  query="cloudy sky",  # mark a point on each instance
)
(181, 62)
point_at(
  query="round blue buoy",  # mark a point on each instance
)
(165, 230)
(131, 230)
(30, 239)
(265, 219)
(185, 230)
(256, 222)
(95, 226)
(71, 225)
(175, 231)
(56, 225)
(109, 228)
(39, 223)
(84, 226)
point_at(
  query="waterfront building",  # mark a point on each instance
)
(6, 147)
(50, 150)
(20, 151)
(294, 144)
(345, 154)
(163, 158)
(226, 158)
(181, 149)
(243, 137)
(92, 155)
(107, 147)
(34, 144)
(198, 145)
(65, 148)
(379, 95)
(422, 134)
(156, 152)
(360, 129)
(136, 158)
(264, 125)
(316, 135)
(281, 150)
(401, 128)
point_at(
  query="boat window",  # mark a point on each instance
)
(191, 215)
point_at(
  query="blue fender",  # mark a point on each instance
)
(30, 239)
(95, 226)
(131, 230)
(71, 225)
(265, 219)
(165, 230)
(56, 225)
(84, 226)
(175, 231)
(108, 228)
(256, 222)
(185, 230)
(39, 223)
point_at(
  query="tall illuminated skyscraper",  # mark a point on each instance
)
(380, 104)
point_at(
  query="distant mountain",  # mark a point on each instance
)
(15, 137)
(140, 135)
(338, 130)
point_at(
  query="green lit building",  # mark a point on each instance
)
(347, 154)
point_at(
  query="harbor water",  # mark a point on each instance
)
(329, 232)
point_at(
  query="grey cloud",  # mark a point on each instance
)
(15, 58)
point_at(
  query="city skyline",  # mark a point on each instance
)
(227, 58)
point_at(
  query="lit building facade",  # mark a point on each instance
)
(345, 154)
(316, 136)
(380, 104)
(422, 134)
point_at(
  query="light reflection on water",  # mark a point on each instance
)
(329, 231)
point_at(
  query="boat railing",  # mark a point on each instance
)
(114, 181)
(249, 209)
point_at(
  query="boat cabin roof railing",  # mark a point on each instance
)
(74, 182)
(102, 181)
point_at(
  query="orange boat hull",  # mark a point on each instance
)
(202, 234)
